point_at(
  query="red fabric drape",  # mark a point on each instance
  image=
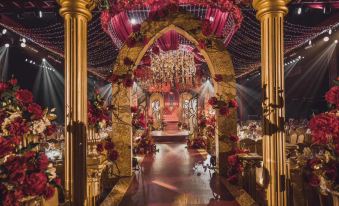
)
(169, 41)
(121, 26)
(217, 20)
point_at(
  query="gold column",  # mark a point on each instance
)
(76, 13)
(271, 15)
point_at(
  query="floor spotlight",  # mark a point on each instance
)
(7, 45)
(4, 31)
(326, 38)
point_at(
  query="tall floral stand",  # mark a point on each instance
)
(95, 165)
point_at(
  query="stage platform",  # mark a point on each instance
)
(170, 135)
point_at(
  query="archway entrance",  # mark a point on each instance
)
(219, 65)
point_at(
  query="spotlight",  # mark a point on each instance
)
(43, 59)
(23, 40)
(40, 14)
(299, 10)
(4, 31)
(330, 31)
(326, 38)
(23, 44)
(26, 60)
(7, 45)
(336, 41)
(30, 61)
(299, 57)
(211, 19)
(310, 42)
(133, 21)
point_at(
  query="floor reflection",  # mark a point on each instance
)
(176, 176)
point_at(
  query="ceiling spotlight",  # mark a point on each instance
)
(23, 40)
(40, 14)
(30, 61)
(299, 57)
(26, 60)
(23, 44)
(133, 21)
(43, 59)
(7, 45)
(330, 31)
(299, 10)
(336, 41)
(326, 38)
(310, 42)
(4, 31)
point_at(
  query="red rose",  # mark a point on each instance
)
(3, 86)
(128, 61)
(18, 127)
(324, 127)
(128, 82)
(139, 72)
(130, 42)
(10, 200)
(134, 109)
(113, 155)
(13, 82)
(49, 192)
(100, 148)
(234, 138)
(218, 78)
(16, 169)
(24, 96)
(50, 129)
(42, 161)
(57, 181)
(35, 183)
(233, 103)
(109, 145)
(332, 96)
(36, 110)
(156, 50)
(314, 180)
(232, 160)
(213, 101)
(233, 179)
(224, 110)
(6, 147)
(114, 78)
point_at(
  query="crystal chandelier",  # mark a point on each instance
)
(173, 67)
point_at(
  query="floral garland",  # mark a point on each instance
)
(222, 105)
(164, 7)
(320, 162)
(25, 172)
(107, 147)
(98, 113)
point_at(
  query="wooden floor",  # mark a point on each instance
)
(176, 176)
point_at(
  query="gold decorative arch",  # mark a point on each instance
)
(216, 56)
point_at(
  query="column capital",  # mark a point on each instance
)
(77, 7)
(270, 6)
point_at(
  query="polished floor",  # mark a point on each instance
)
(179, 177)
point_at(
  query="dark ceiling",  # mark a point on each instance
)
(39, 22)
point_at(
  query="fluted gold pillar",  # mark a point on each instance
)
(76, 13)
(271, 15)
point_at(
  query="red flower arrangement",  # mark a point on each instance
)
(98, 113)
(107, 147)
(25, 171)
(144, 144)
(320, 166)
(197, 143)
(222, 105)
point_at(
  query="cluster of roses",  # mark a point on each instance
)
(144, 144)
(224, 107)
(25, 172)
(197, 143)
(234, 165)
(108, 147)
(321, 167)
(138, 118)
(98, 113)
(160, 9)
